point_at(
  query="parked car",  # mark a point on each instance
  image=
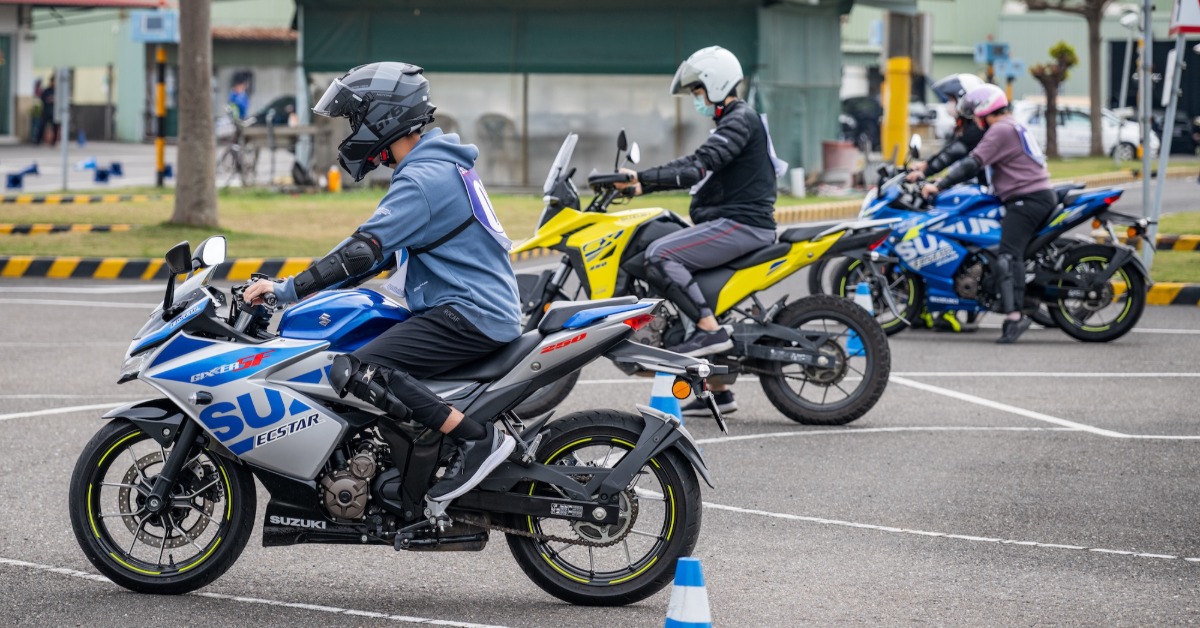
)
(1183, 135)
(1120, 137)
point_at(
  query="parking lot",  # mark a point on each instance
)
(1048, 482)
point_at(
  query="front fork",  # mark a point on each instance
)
(881, 282)
(159, 500)
(548, 285)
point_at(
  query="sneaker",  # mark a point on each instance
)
(1013, 330)
(704, 343)
(472, 463)
(724, 400)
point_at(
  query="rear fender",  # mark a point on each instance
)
(160, 418)
(662, 432)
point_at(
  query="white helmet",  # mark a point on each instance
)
(714, 67)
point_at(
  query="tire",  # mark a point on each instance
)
(1077, 317)
(1124, 152)
(876, 364)
(547, 397)
(113, 448)
(1042, 317)
(816, 276)
(908, 291)
(583, 436)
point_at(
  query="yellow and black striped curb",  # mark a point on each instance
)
(1171, 242)
(1165, 293)
(40, 228)
(80, 199)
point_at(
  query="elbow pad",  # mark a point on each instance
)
(962, 170)
(350, 260)
(953, 152)
(673, 176)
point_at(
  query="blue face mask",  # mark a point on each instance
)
(703, 108)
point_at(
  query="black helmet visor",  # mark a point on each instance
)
(338, 101)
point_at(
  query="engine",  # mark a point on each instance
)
(346, 489)
(969, 278)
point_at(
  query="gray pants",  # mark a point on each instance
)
(708, 245)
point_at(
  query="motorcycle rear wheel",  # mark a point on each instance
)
(840, 318)
(908, 292)
(666, 490)
(1082, 319)
(179, 552)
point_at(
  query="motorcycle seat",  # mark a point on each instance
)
(801, 234)
(561, 311)
(760, 256)
(1061, 192)
(496, 364)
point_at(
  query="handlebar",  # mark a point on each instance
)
(609, 179)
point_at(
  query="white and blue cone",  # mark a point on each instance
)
(689, 598)
(661, 397)
(862, 298)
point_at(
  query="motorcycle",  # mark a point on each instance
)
(825, 346)
(595, 506)
(943, 256)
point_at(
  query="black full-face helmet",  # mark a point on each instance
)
(384, 101)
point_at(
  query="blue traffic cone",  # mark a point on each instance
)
(100, 175)
(862, 298)
(86, 164)
(661, 398)
(115, 169)
(688, 607)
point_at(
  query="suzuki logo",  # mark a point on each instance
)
(324, 320)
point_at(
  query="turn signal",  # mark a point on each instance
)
(681, 389)
(546, 307)
(1132, 232)
(1096, 223)
(638, 322)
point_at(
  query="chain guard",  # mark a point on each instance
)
(482, 523)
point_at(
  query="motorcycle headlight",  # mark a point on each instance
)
(133, 366)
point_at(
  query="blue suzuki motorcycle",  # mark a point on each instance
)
(942, 256)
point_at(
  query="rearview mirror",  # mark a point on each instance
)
(179, 258)
(210, 253)
(622, 143)
(635, 153)
(914, 146)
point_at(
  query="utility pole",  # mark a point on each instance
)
(195, 179)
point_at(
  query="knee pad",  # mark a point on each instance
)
(368, 382)
(1006, 266)
(676, 293)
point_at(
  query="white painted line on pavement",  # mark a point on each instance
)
(943, 535)
(1136, 330)
(70, 290)
(64, 344)
(58, 396)
(134, 306)
(1037, 416)
(67, 410)
(253, 600)
(877, 430)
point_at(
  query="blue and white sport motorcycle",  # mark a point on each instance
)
(942, 256)
(596, 505)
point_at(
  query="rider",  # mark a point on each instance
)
(452, 259)
(966, 136)
(732, 179)
(1017, 170)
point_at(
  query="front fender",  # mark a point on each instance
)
(160, 418)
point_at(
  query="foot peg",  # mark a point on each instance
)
(436, 513)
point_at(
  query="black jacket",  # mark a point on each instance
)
(741, 177)
(965, 140)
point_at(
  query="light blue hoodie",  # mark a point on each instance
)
(471, 271)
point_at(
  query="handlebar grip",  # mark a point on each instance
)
(609, 179)
(269, 299)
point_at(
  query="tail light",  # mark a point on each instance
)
(640, 321)
(1109, 200)
(879, 242)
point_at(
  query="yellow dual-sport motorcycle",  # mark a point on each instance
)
(821, 360)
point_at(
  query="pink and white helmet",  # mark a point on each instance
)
(981, 101)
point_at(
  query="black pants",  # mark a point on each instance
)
(426, 345)
(1023, 216)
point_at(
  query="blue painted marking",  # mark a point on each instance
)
(231, 366)
(587, 317)
(776, 266)
(297, 407)
(180, 345)
(311, 377)
(171, 327)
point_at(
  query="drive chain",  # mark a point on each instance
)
(633, 512)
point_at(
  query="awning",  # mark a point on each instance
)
(92, 4)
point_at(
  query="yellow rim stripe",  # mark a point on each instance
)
(91, 517)
(115, 445)
(132, 568)
(204, 557)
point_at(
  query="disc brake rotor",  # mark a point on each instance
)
(150, 529)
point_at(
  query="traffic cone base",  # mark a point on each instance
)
(688, 607)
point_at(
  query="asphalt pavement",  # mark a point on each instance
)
(1049, 482)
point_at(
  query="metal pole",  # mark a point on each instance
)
(304, 143)
(160, 114)
(1145, 90)
(1164, 150)
(1125, 71)
(62, 102)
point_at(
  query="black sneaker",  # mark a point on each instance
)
(724, 400)
(472, 463)
(1013, 330)
(704, 343)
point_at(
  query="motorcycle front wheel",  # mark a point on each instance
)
(859, 363)
(180, 550)
(908, 293)
(659, 520)
(1112, 310)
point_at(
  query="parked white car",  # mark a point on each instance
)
(1075, 131)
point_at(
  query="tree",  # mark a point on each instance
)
(1050, 75)
(196, 177)
(1093, 12)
